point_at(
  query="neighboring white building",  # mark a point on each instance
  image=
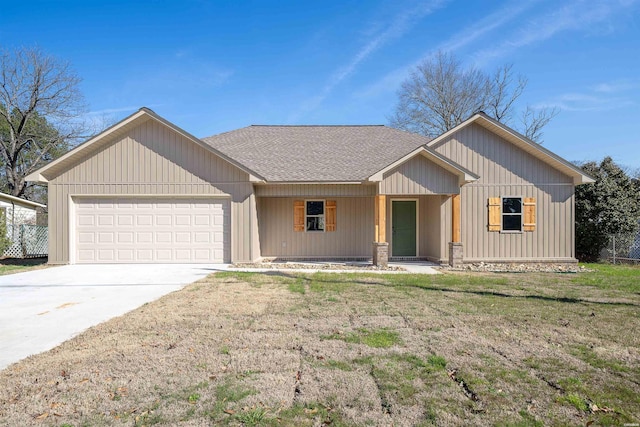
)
(18, 211)
(20, 219)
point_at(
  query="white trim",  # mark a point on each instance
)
(502, 230)
(405, 199)
(71, 208)
(324, 216)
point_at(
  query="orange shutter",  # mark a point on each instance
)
(494, 213)
(298, 215)
(529, 219)
(330, 215)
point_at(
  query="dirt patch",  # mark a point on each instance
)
(329, 349)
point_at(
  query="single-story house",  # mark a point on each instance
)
(146, 191)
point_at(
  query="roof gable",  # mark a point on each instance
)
(520, 141)
(94, 144)
(464, 175)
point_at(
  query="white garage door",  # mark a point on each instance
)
(151, 230)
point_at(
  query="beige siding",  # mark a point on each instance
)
(495, 160)
(151, 159)
(506, 170)
(353, 236)
(315, 190)
(431, 216)
(553, 237)
(419, 175)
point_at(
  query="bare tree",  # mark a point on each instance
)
(40, 111)
(440, 94)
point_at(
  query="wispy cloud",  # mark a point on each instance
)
(461, 39)
(589, 100)
(574, 16)
(617, 86)
(399, 25)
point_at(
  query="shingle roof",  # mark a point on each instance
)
(316, 153)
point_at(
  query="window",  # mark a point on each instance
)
(314, 215)
(511, 214)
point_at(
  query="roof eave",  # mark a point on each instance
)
(21, 201)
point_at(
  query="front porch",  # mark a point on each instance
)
(410, 227)
(406, 231)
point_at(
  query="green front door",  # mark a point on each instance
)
(403, 228)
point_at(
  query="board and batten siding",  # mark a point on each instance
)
(419, 175)
(506, 170)
(153, 160)
(353, 236)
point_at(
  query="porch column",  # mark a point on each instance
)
(380, 245)
(455, 246)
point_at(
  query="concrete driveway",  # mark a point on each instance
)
(43, 308)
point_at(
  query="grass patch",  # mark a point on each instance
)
(576, 401)
(587, 355)
(617, 277)
(10, 266)
(378, 338)
(307, 415)
(337, 364)
(297, 286)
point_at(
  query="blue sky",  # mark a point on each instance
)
(214, 66)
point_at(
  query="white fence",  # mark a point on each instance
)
(29, 241)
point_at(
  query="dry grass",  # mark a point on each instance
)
(351, 349)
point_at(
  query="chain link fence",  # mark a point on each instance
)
(26, 230)
(623, 248)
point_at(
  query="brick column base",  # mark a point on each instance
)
(455, 254)
(380, 254)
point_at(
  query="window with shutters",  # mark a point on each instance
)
(512, 214)
(314, 215)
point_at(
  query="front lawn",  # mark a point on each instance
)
(351, 349)
(14, 265)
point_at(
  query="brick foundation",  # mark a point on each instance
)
(455, 254)
(380, 254)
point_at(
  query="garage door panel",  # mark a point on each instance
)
(146, 230)
(143, 220)
(163, 220)
(105, 237)
(105, 220)
(144, 237)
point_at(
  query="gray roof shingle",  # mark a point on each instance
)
(316, 153)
